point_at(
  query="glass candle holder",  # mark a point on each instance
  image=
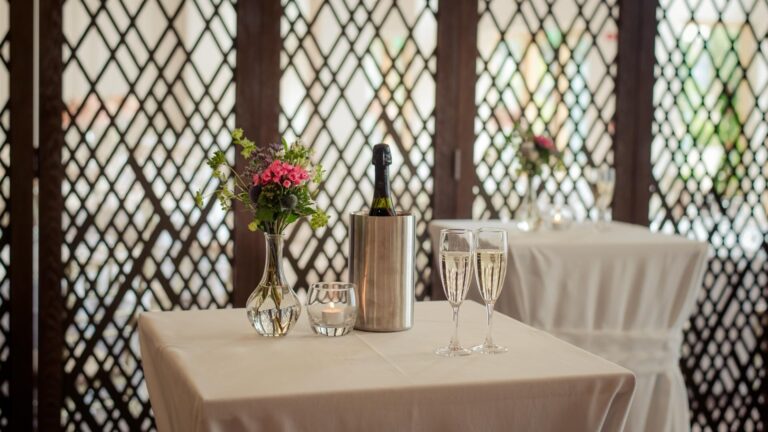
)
(332, 308)
(558, 217)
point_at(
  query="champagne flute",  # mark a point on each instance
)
(606, 180)
(456, 251)
(490, 270)
(602, 181)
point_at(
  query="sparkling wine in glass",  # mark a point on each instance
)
(606, 180)
(602, 181)
(490, 270)
(456, 254)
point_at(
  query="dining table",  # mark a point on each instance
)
(208, 370)
(615, 289)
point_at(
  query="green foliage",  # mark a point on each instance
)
(296, 154)
(217, 160)
(710, 125)
(319, 174)
(319, 219)
(273, 205)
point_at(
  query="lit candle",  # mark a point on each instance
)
(333, 315)
(557, 219)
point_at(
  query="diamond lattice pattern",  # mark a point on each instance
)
(148, 89)
(710, 167)
(356, 73)
(552, 63)
(5, 211)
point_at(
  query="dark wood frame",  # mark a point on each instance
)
(257, 109)
(454, 171)
(634, 110)
(22, 218)
(51, 318)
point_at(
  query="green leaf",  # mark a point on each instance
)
(218, 159)
(199, 199)
(248, 147)
(237, 134)
(265, 214)
(291, 218)
(318, 220)
(284, 142)
(319, 173)
(254, 225)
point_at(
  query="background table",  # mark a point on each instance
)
(208, 370)
(622, 292)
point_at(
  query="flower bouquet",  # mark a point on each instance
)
(275, 188)
(533, 153)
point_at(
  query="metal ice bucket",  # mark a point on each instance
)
(381, 265)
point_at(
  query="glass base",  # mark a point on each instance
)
(333, 331)
(527, 226)
(449, 351)
(271, 321)
(490, 349)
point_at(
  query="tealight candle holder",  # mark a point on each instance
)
(332, 308)
(559, 217)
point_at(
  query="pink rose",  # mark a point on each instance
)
(301, 173)
(294, 177)
(267, 176)
(286, 183)
(545, 143)
(256, 179)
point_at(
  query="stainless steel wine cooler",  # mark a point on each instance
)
(381, 265)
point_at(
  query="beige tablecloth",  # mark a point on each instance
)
(623, 293)
(208, 370)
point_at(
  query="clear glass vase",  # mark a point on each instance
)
(273, 307)
(528, 215)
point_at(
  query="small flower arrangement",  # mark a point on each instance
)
(274, 186)
(535, 151)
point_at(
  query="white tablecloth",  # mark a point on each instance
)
(208, 370)
(623, 293)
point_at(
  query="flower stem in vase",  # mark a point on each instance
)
(528, 216)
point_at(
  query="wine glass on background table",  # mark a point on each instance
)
(490, 270)
(602, 181)
(456, 254)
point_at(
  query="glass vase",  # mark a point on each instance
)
(528, 215)
(273, 307)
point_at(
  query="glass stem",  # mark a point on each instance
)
(455, 338)
(489, 337)
(602, 218)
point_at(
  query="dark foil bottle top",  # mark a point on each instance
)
(381, 155)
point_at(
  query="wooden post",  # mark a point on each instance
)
(22, 219)
(257, 107)
(634, 110)
(454, 170)
(51, 316)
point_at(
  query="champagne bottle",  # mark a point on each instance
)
(382, 204)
